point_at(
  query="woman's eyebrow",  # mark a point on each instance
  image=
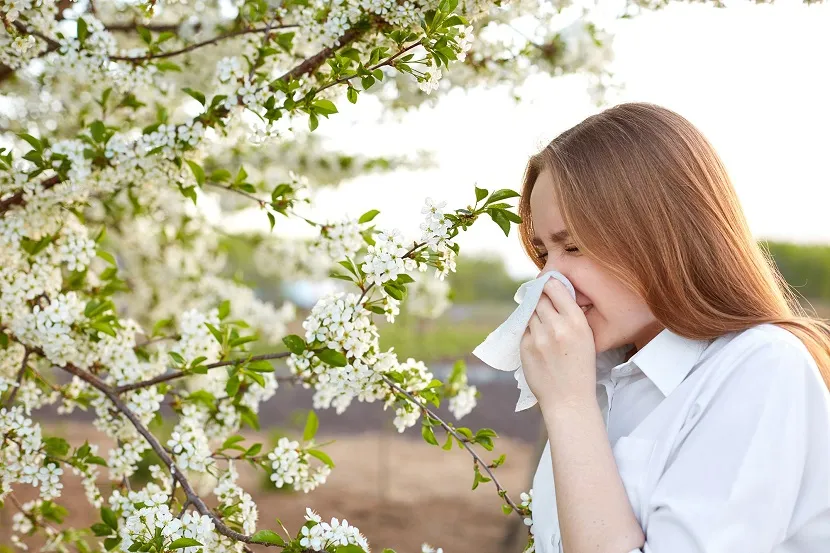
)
(555, 237)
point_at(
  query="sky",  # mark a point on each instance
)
(754, 78)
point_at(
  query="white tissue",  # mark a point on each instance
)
(500, 349)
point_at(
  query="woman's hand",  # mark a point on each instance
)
(557, 350)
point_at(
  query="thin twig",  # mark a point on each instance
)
(192, 496)
(462, 440)
(214, 40)
(179, 374)
(20, 373)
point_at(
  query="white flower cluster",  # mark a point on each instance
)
(321, 536)
(141, 524)
(527, 503)
(465, 42)
(21, 458)
(426, 548)
(339, 322)
(463, 402)
(91, 58)
(245, 512)
(51, 327)
(188, 441)
(196, 339)
(75, 251)
(436, 234)
(338, 240)
(290, 465)
(416, 377)
(385, 260)
(15, 51)
(436, 227)
(431, 79)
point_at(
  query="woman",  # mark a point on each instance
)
(684, 391)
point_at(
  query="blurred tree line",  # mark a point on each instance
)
(806, 267)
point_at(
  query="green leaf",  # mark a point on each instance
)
(312, 423)
(253, 450)
(322, 456)
(392, 291)
(33, 142)
(176, 357)
(232, 386)
(332, 357)
(511, 216)
(481, 193)
(101, 529)
(167, 66)
(368, 216)
(111, 543)
(108, 516)
(261, 366)
(83, 30)
(98, 131)
(145, 35)
(231, 442)
(198, 172)
(195, 94)
(294, 343)
(325, 107)
(427, 433)
(215, 331)
(183, 542)
(501, 221)
(506, 509)
(404, 278)
(95, 460)
(502, 194)
(220, 175)
(448, 444)
(272, 220)
(224, 309)
(56, 447)
(351, 548)
(351, 94)
(267, 536)
(106, 256)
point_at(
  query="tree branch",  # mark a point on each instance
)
(192, 47)
(192, 497)
(462, 440)
(20, 373)
(179, 374)
(17, 197)
(314, 62)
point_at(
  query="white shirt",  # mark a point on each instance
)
(723, 445)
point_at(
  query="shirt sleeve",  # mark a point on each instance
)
(734, 482)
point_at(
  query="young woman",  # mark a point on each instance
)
(684, 391)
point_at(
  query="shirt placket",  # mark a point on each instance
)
(612, 384)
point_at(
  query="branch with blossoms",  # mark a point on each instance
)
(66, 307)
(330, 364)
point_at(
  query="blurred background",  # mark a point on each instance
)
(754, 78)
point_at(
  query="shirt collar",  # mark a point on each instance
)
(666, 360)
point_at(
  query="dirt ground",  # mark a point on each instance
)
(397, 489)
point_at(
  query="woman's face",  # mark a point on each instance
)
(617, 316)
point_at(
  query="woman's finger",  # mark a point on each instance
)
(562, 301)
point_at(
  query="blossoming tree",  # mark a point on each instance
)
(122, 120)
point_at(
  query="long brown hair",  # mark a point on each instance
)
(645, 194)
